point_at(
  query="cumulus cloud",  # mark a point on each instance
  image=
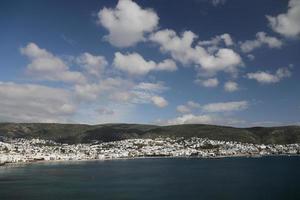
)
(211, 82)
(118, 90)
(287, 24)
(263, 77)
(193, 104)
(45, 66)
(261, 39)
(34, 103)
(202, 119)
(153, 87)
(208, 115)
(268, 78)
(94, 65)
(215, 41)
(231, 86)
(145, 92)
(135, 64)
(190, 119)
(225, 106)
(92, 88)
(127, 23)
(159, 101)
(183, 109)
(250, 56)
(218, 2)
(190, 106)
(227, 39)
(108, 87)
(182, 50)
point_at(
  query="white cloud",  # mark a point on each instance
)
(118, 90)
(263, 77)
(135, 64)
(183, 109)
(231, 86)
(166, 65)
(261, 39)
(159, 101)
(104, 88)
(190, 106)
(287, 24)
(153, 87)
(34, 103)
(221, 118)
(121, 96)
(193, 104)
(182, 50)
(202, 119)
(283, 72)
(212, 82)
(251, 56)
(45, 66)
(190, 119)
(227, 39)
(87, 91)
(107, 88)
(94, 65)
(144, 92)
(218, 2)
(225, 106)
(127, 23)
(267, 77)
(215, 41)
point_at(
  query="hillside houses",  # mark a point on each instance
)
(23, 150)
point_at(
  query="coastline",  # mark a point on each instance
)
(20, 164)
(20, 151)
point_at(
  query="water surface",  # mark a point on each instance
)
(162, 179)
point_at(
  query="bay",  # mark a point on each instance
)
(155, 178)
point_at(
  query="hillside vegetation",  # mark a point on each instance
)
(78, 133)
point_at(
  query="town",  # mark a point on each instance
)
(34, 150)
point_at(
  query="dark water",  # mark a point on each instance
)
(165, 179)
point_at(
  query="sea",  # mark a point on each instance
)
(155, 179)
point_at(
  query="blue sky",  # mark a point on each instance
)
(165, 62)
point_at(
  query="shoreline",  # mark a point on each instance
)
(22, 151)
(19, 164)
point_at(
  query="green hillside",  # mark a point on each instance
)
(78, 133)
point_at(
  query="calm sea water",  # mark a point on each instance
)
(165, 179)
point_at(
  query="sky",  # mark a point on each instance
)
(165, 62)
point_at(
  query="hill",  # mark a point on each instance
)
(79, 133)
